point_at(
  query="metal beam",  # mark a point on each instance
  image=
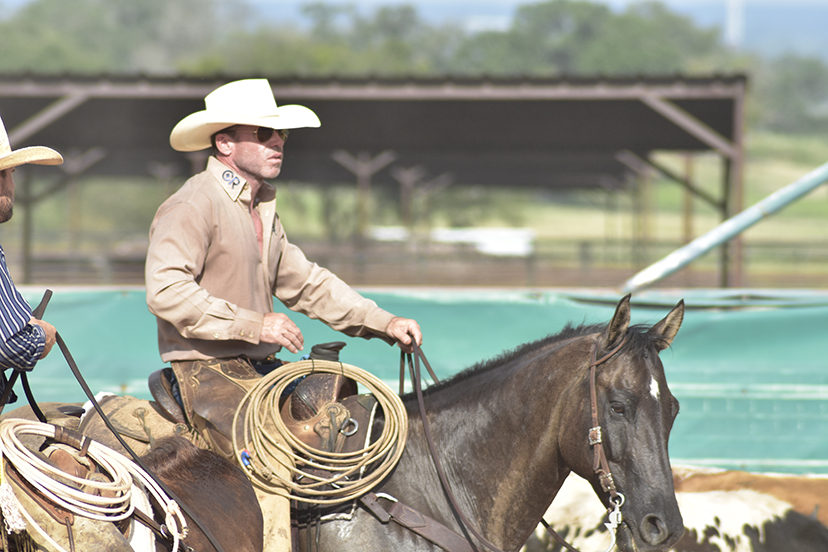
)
(46, 117)
(387, 89)
(690, 123)
(363, 166)
(637, 164)
(735, 201)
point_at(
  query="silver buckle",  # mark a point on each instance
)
(595, 436)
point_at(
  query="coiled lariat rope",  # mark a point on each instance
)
(98, 500)
(269, 457)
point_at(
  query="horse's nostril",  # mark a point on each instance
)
(653, 530)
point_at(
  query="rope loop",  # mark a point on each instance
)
(94, 499)
(273, 450)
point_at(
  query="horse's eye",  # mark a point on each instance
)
(618, 408)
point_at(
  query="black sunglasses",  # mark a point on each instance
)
(264, 134)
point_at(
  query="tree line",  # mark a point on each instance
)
(551, 38)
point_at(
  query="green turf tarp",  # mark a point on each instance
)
(750, 367)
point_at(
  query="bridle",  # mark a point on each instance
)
(600, 464)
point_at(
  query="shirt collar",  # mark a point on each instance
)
(235, 185)
(229, 179)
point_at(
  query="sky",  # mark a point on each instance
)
(498, 12)
(769, 27)
(470, 7)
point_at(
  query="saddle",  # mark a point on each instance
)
(323, 411)
(314, 410)
(139, 422)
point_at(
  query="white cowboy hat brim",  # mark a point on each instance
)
(243, 102)
(193, 132)
(35, 155)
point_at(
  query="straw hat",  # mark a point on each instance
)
(38, 155)
(244, 102)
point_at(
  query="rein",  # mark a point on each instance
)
(600, 462)
(415, 381)
(38, 314)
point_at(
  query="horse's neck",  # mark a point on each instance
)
(497, 439)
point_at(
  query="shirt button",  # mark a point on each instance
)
(216, 336)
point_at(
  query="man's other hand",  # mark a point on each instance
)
(278, 328)
(50, 335)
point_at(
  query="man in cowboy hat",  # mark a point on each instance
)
(23, 339)
(218, 255)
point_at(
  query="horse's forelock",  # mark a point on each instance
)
(639, 341)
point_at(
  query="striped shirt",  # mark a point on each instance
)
(21, 343)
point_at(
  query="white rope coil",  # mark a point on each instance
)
(272, 456)
(98, 500)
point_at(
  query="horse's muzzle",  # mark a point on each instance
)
(654, 535)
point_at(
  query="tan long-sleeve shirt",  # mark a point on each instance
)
(209, 285)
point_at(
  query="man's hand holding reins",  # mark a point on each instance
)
(402, 330)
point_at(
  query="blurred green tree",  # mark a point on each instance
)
(794, 94)
(647, 38)
(153, 36)
(547, 38)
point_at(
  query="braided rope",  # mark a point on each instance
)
(271, 455)
(98, 500)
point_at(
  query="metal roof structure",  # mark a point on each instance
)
(558, 132)
(505, 132)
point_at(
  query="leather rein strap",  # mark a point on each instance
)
(24, 379)
(428, 528)
(415, 380)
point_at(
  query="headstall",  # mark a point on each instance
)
(600, 465)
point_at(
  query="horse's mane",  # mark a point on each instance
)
(637, 342)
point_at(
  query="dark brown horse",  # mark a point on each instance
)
(509, 431)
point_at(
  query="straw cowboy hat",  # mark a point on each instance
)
(38, 155)
(244, 102)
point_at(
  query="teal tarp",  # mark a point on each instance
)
(749, 367)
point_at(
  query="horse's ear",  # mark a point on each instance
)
(620, 323)
(666, 330)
